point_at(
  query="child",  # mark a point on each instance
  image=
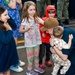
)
(50, 12)
(30, 28)
(8, 52)
(60, 44)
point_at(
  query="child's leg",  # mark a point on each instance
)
(66, 66)
(7, 72)
(41, 53)
(48, 62)
(36, 56)
(47, 52)
(55, 69)
(36, 60)
(29, 52)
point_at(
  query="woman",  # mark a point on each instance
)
(8, 51)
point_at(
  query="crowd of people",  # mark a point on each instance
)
(44, 34)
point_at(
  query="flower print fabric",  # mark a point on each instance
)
(32, 37)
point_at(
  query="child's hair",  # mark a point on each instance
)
(58, 31)
(2, 10)
(25, 10)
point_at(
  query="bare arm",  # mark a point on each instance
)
(59, 52)
(67, 45)
(22, 29)
(12, 4)
(39, 20)
(70, 40)
(20, 3)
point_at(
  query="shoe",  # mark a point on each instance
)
(31, 72)
(40, 70)
(16, 68)
(48, 63)
(66, 22)
(34, 73)
(21, 63)
(42, 66)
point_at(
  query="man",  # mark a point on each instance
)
(49, 24)
(62, 9)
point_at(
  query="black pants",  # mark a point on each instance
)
(44, 47)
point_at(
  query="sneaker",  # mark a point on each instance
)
(34, 73)
(40, 70)
(28, 72)
(31, 72)
(16, 68)
(48, 63)
(42, 66)
(21, 63)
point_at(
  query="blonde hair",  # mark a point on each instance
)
(25, 10)
(58, 31)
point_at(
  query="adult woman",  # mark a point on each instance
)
(8, 52)
(13, 7)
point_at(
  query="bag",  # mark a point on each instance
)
(12, 23)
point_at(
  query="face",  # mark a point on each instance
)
(50, 31)
(4, 17)
(51, 13)
(31, 10)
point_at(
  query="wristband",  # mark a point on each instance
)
(6, 2)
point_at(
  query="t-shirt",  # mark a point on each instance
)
(32, 37)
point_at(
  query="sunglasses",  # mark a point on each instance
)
(50, 12)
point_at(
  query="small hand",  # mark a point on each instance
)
(7, 26)
(30, 27)
(70, 36)
(39, 20)
(52, 50)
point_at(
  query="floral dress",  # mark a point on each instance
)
(32, 37)
(14, 13)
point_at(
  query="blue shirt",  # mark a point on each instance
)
(70, 52)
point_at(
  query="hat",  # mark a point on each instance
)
(49, 23)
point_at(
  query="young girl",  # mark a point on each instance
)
(8, 52)
(45, 46)
(30, 28)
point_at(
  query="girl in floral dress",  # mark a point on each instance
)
(30, 28)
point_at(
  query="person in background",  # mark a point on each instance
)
(13, 7)
(45, 46)
(65, 54)
(54, 2)
(41, 4)
(8, 51)
(62, 11)
(30, 28)
(71, 9)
